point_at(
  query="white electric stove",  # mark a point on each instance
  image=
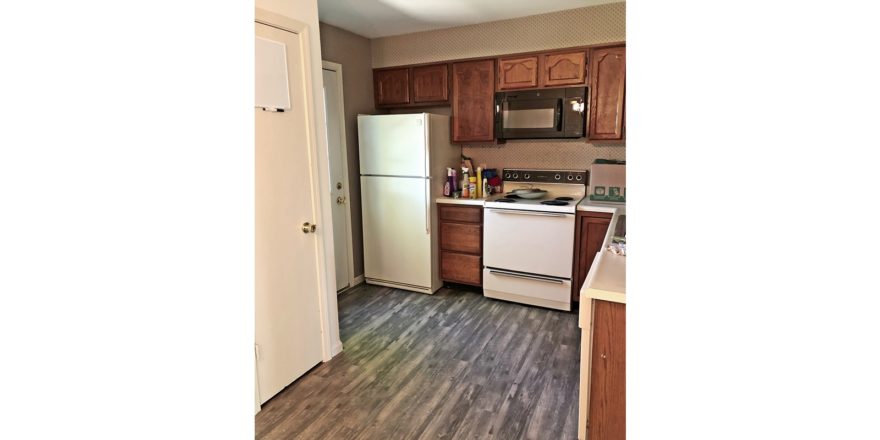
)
(529, 243)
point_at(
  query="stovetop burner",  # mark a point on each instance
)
(506, 200)
(556, 202)
(565, 199)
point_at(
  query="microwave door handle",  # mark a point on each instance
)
(558, 115)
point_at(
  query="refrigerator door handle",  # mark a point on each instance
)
(428, 206)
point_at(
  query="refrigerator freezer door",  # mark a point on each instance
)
(397, 240)
(393, 145)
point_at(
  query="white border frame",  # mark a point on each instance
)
(330, 343)
(337, 68)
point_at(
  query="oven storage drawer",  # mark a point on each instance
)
(526, 288)
(529, 241)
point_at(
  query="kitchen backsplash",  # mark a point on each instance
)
(559, 154)
(566, 154)
(598, 24)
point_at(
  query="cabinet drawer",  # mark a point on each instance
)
(461, 237)
(468, 214)
(460, 268)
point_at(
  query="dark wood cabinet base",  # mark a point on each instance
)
(590, 230)
(461, 243)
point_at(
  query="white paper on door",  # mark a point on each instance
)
(272, 92)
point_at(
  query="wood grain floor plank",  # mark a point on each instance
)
(445, 366)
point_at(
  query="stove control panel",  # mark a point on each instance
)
(545, 176)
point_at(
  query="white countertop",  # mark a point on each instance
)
(452, 201)
(588, 205)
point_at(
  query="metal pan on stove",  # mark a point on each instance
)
(528, 193)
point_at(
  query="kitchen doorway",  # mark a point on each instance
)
(339, 193)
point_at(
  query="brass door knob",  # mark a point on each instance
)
(307, 227)
(340, 200)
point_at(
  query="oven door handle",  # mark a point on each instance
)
(539, 213)
(524, 276)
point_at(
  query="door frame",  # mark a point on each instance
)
(336, 67)
(331, 344)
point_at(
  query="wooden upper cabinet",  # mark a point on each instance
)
(473, 91)
(391, 86)
(518, 73)
(607, 93)
(564, 69)
(431, 83)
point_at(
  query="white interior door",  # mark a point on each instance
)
(333, 105)
(287, 313)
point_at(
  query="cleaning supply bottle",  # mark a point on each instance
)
(486, 190)
(465, 183)
(472, 187)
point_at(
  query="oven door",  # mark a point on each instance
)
(530, 242)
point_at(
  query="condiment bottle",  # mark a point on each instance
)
(472, 187)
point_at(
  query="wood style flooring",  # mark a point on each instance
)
(453, 365)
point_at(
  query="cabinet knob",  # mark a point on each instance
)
(603, 356)
(307, 227)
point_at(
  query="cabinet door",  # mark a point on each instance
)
(391, 86)
(517, 73)
(589, 236)
(607, 419)
(607, 89)
(564, 69)
(431, 83)
(473, 89)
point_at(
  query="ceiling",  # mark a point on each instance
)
(382, 18)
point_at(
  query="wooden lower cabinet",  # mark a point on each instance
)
(606, 411)
(590, 230)
(461, 243)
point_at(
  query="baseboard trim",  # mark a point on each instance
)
(336, 348)
(357, 280)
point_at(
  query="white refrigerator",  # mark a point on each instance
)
(403, 160)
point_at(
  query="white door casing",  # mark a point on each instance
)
(288, 318)
(338, 154)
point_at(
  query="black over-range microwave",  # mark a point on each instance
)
(541, 114)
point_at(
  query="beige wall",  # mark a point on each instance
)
(352, 51)
(574, 27)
